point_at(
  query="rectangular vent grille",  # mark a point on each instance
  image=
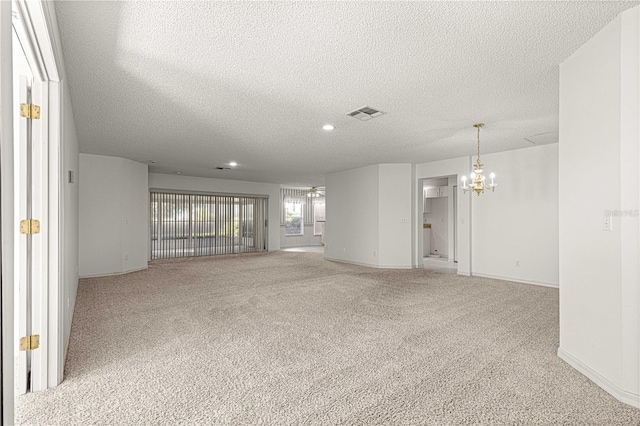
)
(365, 113)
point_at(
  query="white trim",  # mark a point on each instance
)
(114, 274)
(370, 265)
(56, 354)
(20, 242)
(7, 215)
(516, 280)
(41, 38)
(40, 242)
(606, 384)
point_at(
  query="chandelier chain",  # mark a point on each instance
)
(478, 144)
(477, 182)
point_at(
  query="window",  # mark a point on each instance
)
(318, 218)
(185, 224)
(293, 217)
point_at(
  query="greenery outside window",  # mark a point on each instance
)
(293, 218)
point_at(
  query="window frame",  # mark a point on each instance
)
(286, 205)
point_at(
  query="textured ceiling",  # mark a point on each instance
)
(195, 85)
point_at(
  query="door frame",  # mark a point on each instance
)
(6, 213)
(39, 19)
(453, 167)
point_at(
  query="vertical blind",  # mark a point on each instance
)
(184, 225)
(301, 195)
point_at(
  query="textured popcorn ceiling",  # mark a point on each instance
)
(195, 85)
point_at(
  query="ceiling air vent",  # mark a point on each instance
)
(223, 168)
(365, 113)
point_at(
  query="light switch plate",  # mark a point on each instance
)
(608, 221)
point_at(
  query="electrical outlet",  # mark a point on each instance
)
(517, 263)
(126, 257)
(344, 249)
(375, 253)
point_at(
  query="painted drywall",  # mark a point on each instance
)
(352, 226)
(515, 228)
(369, 216)
(394, 215)
(113, 218)
(135, 216)
(307, 239)
(70, 217)
(599, 164)
(188, 183)
(437, 169)
(439, 231)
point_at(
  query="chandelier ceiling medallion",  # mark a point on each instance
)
(476, 178)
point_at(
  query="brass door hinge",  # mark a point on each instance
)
(30, 111)
(30, 226)
(30, 343)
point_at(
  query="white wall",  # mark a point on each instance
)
(439, 232)
(518, 222)
(135, 216)
(114, 211)
(188, 183)
(307, 239)
(369, 216)
(394, 207)
(351, 228)
(70, 218)
(599, 164)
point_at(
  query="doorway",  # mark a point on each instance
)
(437, 233)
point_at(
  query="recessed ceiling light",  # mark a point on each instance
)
(178, 173)
(233, 164)
(328, 127)
(153, 161)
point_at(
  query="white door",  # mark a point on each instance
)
(30, 154)
(22, 79)
(23, 242)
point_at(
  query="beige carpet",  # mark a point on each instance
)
(288, 338)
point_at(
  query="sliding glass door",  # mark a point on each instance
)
(184, 224)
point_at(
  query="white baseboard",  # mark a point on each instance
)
(613, 389)
(516, 280)
(370, 265)
(113, 274)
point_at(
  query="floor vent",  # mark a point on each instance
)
(365, 113)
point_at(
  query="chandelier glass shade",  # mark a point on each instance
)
(477, 181)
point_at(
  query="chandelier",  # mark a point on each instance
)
(476, 178)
